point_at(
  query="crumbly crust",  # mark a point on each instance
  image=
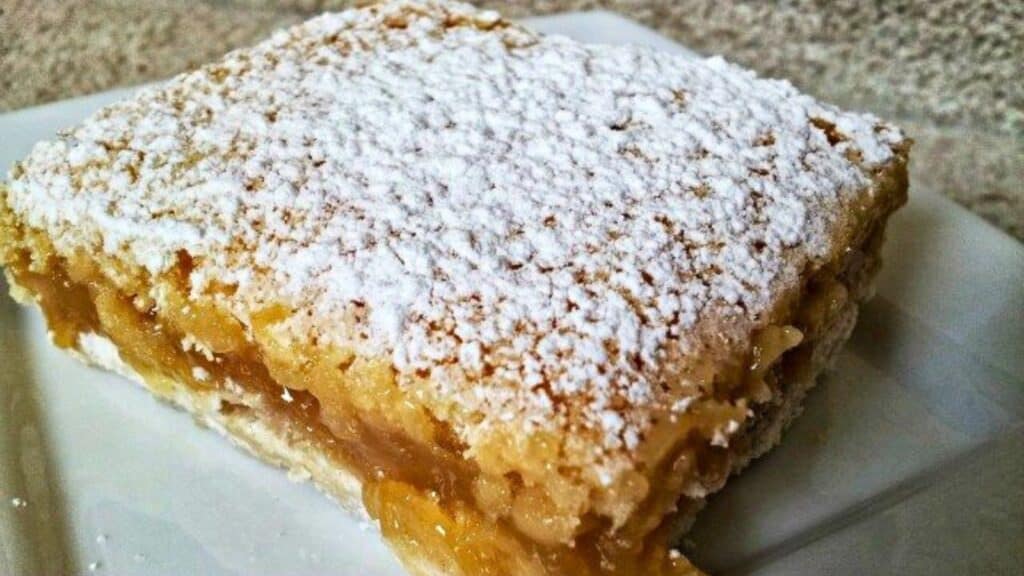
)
(540, 236)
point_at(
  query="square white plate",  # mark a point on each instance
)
(907, 461)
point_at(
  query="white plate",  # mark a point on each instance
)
(907, 460)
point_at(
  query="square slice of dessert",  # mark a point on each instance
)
(526, 302)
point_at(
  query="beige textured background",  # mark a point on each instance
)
(947, 70)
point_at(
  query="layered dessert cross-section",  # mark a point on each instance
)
(525, 302)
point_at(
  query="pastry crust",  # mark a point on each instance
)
(414, 249)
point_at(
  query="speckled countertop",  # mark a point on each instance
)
(947, 70)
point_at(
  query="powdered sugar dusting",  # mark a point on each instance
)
(531, 222)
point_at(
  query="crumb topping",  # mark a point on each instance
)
(530, 225)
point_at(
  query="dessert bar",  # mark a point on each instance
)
(523, 301)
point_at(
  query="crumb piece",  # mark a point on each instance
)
(682, 405)
(722, 438)
(299, 475)
(189, 343)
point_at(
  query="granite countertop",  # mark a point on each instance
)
(946, 70)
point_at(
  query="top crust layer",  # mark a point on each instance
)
(537, 233)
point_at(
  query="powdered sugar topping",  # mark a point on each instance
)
(531, 222)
